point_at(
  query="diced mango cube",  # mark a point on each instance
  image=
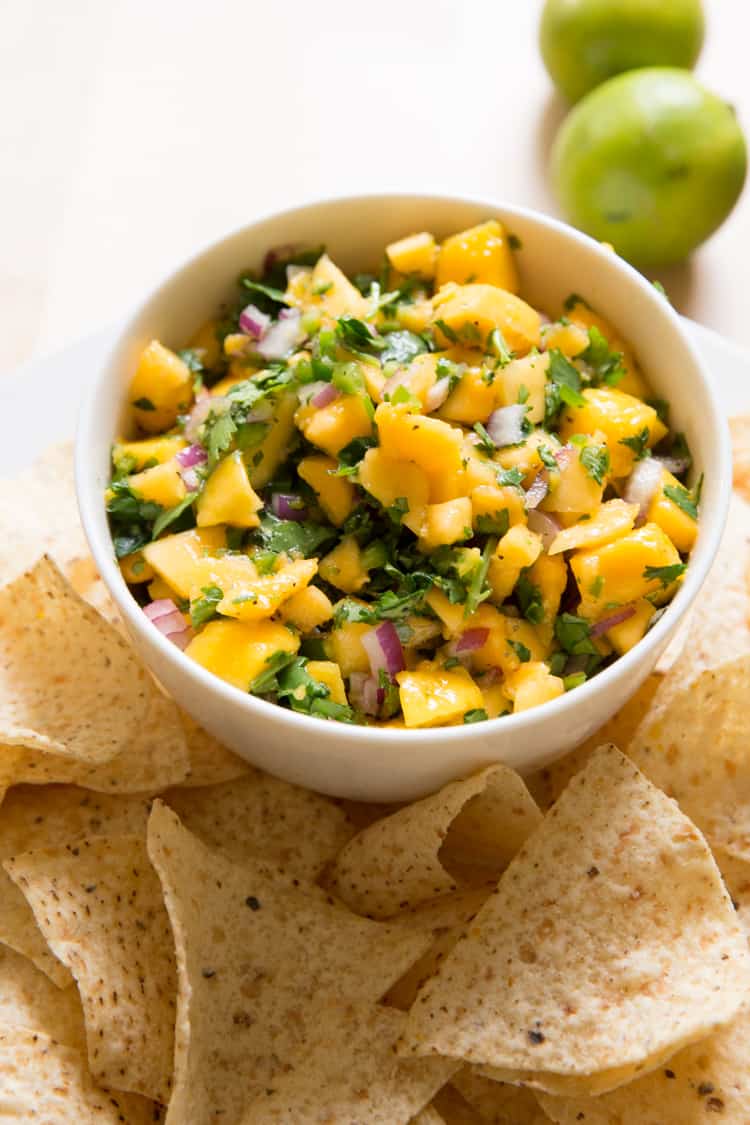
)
(415, 317)
(681, 528)
(343, 566)
(619, 416)
(158, 588)
(344, 645)
(417, 253)
(445, 523)
(577, 487)
(480, 254)
(525, 379)
(473, 312)
(418, 377)
(228, 496)
(263, 460)
(584, 318)
(531, 685)
(334, 426)
(258, 599)
(308, 609)
(450, 613)
(516, 550)
(472, 399)
(568, 338)
(225, 571)
(239, 653)
(161, 484)
(432, 696)
(614, 518)
(550, 576)
(628, 633)
(174, 557)
(494, 700)
(616, 573)
(328, 673)
(390, 480)
(336, 495)
(432, 444)
(496, 508)
(332, 291)
(526, 455)
(162, 386)
(152, 451)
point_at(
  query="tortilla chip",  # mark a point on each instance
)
(421, 851)
(428, 1116)
(29, 999)
(69, 685)
(259, 816)
(99, 905)
(497, 1103)
(256, 959)
(352, 1073)
(210, 762)
(45, 1081)
(42, 817)
(698, 752)
(736, 875)
(709, 1078)
(609, 944)
(454, 1109)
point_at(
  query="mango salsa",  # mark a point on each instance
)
(412, 500)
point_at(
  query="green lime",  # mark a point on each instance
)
(651, 162)
(585, 42)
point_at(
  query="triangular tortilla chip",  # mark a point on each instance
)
(99, 905)
(497, 1103)
(255, 955)
(45, 1081)
(29, 999)
(709, 1081)
(38, 817)
(421, 851)
(698, 752)
(210, 762)
(69, 684)
(259, 816)
(351, 1073)
(609, 944)
(453, 1109)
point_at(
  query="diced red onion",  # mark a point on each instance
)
(253, 322)
(537, 490)
(564, 456)
(281, 337)
(325, 397)
(160, 608)
(491, 676)
(308, 391)
(676, 465)
(193, 455)
(205, 404)
(167, 618)
(437, 394)
(383, 647)
(288, 506)
(642, 485)
(608, 623)
(505, 426)
(472, 639)
(365, 692)
(541, 523)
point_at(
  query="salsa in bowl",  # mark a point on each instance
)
(403, 498)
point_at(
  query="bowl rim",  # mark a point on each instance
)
(712, 524)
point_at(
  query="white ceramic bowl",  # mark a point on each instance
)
(369, 763)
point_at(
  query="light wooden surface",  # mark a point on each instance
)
(133, 132)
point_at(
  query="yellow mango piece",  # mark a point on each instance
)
(432, 444)
(334, 426)
(415, 317)
(336, 495)
(573, 488)
(226, 571)
(332, 292)
(583, 318)
(614, 518)
(570, 339)
(328, 673)
(228, 496)
(432, 696)
(343, 568)
(480, 254)
(161, 484)
(389, 480)
(496, 508)
(174, 557)
(375, 381)
(344, 645)
(523, 635)
(135, 569)
(445, 523)
(616, 572)
(239, 653)
(681, 528)
(516, 550)
(550, 576)
(162, 387)
(473, 312)
(526, 456)
(628, 633)
(451, 614)
(261, 597)
(152, 451)
(618, 416)
(478, 467)
(472, 399)
(238, 373)
(236, 344)
(419, 376)
(496, 652)
(531, 685)
(494, 700)
(308, 609)
(206, 342)
(525, 378)
(416, 254)
(264, 459)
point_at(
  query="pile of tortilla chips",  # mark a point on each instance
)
(185, 939)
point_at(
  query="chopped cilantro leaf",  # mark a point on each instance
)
(530, 600)
(356, 335)
(447, 331)
(574, 299)
(597, 586)
(298, 687)
(348, 379)
(638, 443)
(496, 344)
(574, 635)
(327, 709)
(485, 441)
(595, 460)
(267, 680)
(354, 451)
(265, 562)
(563, 386)
(605, 365)
(171, 515)
(204, 608)
(402, 347)
(661, 406)
(297, 537)
(495, 524)
(665, 574)
(391, 704)
(514, 242)
(477, 587)
(144, 404)
(398, 509)
(192, 359)
(574, 680)
(523, 395)
(521, 651)
(476, 715)
(557, 663)
(510, 478)
(547, 457)
(684, 499)
(274, 295)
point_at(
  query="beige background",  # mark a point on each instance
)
(131, 132)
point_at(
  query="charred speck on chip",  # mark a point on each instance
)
(535, 1037)
(208, 973)
(706, 1088)
(669, 1074)
(592, 871)
(252, 902)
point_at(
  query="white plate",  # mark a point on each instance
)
(40, 401)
